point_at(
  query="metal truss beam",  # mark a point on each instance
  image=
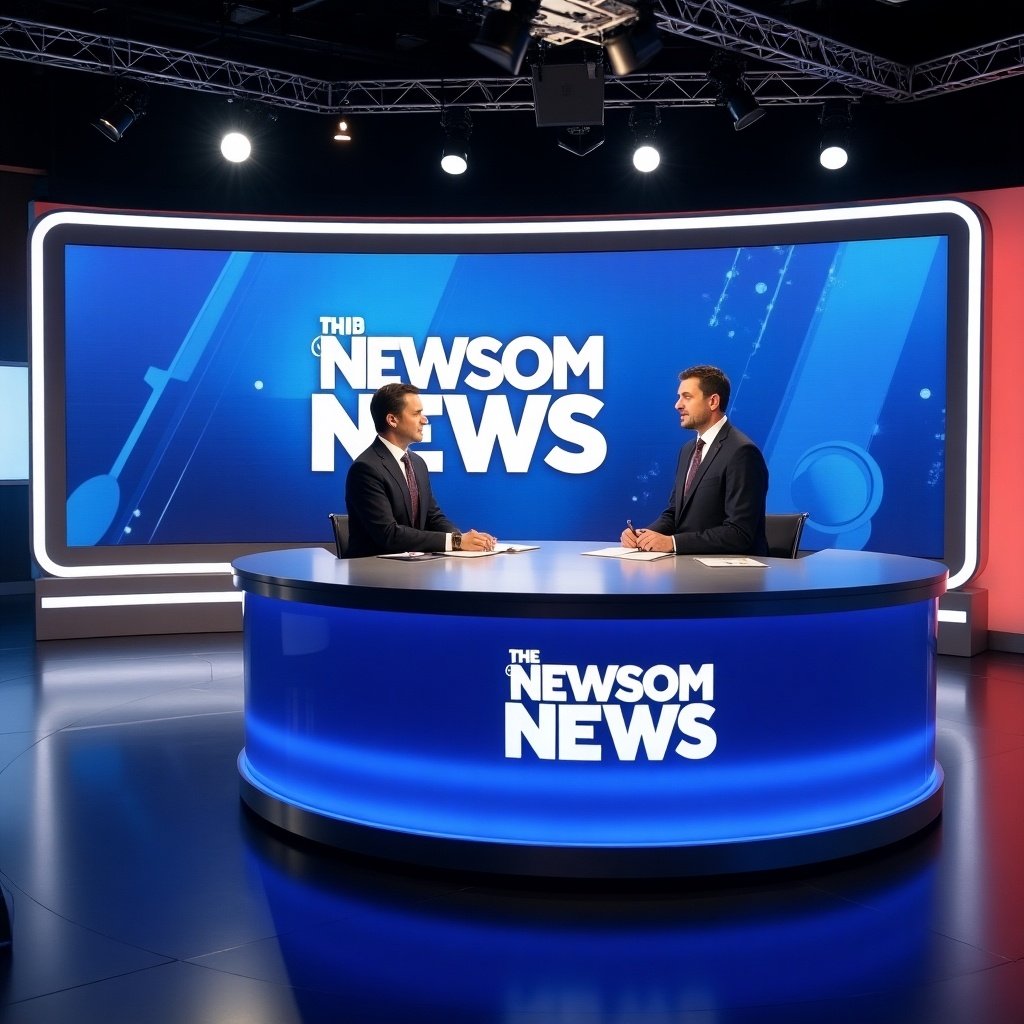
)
(989, 63)
(810, 69)
(690, 89)
(144, 62)
(738, 30)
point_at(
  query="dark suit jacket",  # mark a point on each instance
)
(380, 509)
(724, 511)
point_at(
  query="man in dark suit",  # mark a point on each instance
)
(718, 501)
(390, 505)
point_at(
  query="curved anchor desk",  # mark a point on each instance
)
(556, 714)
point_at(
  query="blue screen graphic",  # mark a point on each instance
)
(198, 408)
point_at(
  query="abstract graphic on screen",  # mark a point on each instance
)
(199, 407)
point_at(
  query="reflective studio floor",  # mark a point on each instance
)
(141, 891)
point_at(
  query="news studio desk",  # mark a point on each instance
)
(553, 713)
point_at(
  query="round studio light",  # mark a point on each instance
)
(454, 162)
(833, 157)
(235, 147)
(646, 158)
(834, 148)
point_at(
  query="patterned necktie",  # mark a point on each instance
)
(414, 489)
(694, 465)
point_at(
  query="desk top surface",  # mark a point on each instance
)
(559, 580)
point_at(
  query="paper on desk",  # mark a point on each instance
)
(730, 560)
(500, 549)
(629, 554)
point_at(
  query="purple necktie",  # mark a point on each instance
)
(414, 489)
(694, 465)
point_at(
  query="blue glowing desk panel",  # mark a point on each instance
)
(555, 713)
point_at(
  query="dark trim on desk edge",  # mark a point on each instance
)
(590, 606)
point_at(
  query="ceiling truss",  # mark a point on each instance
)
(803, 69)
(760, 37)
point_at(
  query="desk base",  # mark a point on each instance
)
(686, 860)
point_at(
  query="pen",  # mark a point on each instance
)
(632, 528)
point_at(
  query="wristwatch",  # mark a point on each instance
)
(456, 541)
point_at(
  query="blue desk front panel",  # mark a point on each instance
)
(472, 728)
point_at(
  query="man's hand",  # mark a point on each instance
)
(629, 537)
(648, 540)
(473, 540)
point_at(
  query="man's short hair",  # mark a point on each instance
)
(712, 382)
(389, 399)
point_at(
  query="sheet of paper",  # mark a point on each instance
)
(630, 554)
(500, 549)
(730, 560)
(413, 556)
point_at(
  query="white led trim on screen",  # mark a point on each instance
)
(746, 220)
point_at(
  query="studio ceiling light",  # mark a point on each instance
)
(834, 147)
(734, 95)
(457, 128)
(114, 122)
(235, 147)
(342, 133)
(644, 120)
(504, 36)
(630, 48)
(248, 124)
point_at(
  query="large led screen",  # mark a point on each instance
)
(206, 383)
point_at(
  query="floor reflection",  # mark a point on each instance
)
(141, 890)
(555, 953)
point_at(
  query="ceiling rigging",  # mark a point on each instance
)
(784, 64)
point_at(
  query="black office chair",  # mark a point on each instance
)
(340, 524)
(783, 531)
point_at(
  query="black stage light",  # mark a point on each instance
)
(737, 99)
(644, 120)
(114, 122)
(634, 46)
(504, 36)
(742, 107)
(834, 147)
(457, 129)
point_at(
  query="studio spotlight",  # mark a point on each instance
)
(129, 107)
(734, 95)
(457, 129)
(635, 45)
(833, 150)
(644, 120)
(249, 124)
(504, 36)
(236, 147)
(342, 133)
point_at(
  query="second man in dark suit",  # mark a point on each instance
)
(717, 505)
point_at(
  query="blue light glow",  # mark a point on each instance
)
(805, 741)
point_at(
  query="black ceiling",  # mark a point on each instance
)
(957, 141)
